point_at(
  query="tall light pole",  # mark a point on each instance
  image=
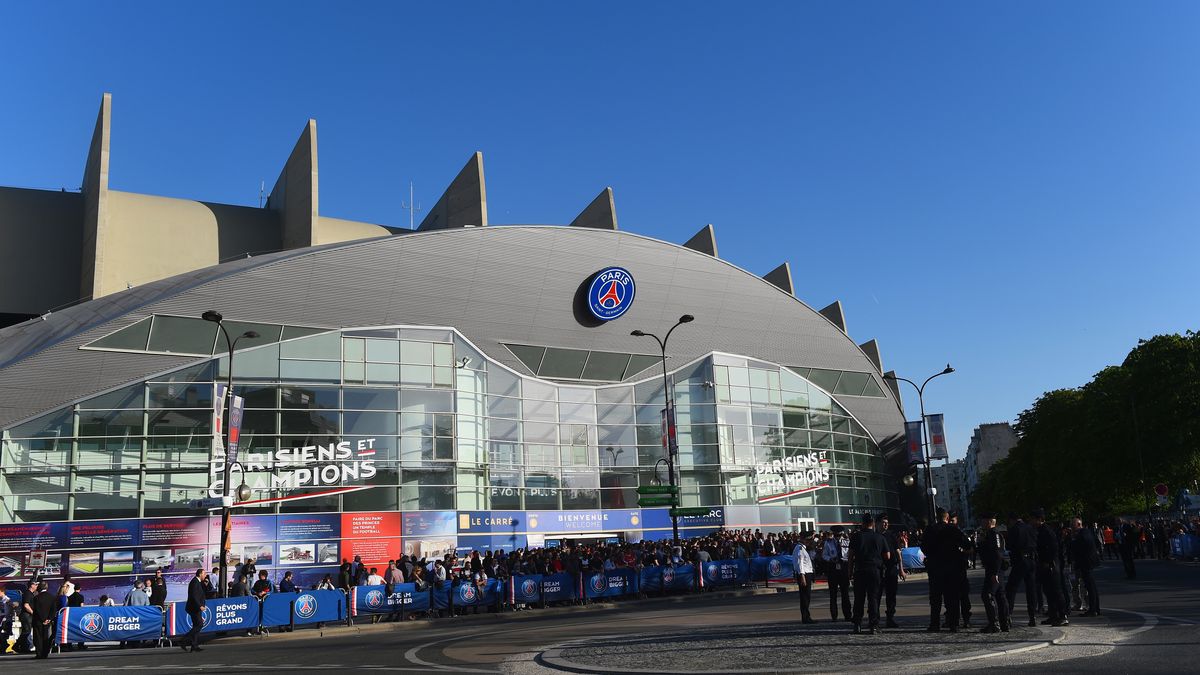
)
(925, 433)
(669, 413)
(226, 509)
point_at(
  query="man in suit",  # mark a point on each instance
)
(1085, 554)
(194, 606)
(45, 606)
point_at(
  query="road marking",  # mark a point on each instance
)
(411, 655)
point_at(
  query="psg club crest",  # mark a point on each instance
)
(668, 575)
(205, 616)
(374, 599)
(775, 568)
(306, 606)
(529, 588)
(466, 593)
(599, 583)
(91, 624)
(611, 293)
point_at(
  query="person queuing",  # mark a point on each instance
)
(802, 564)
(893, 569)
(196, 599)
(990, 546)
(1047, 572)
(835, 555)
(868, 552)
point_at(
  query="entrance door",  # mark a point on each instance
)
(806, 525)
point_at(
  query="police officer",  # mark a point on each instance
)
(964, 584)
(868, 551)
(1022, 553)
(893, 569)
(944, 546)
(991, 554)
(1047, 573)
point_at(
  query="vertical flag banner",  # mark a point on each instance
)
(237, 404)
(912, 440)
(216, 457)
(937, 437)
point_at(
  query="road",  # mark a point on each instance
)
(1151, 623)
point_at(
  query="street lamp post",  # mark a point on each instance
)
(669, 412)
(226, 510)
(925, 433)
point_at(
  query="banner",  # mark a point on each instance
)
(233, 614)
(610, 583)
(558, 588)
(375, 599)
(725, 573)
(467, 594)
(779, 569)
(656, 579)
(307, 606)
(912, 440)
(108, 624)
(236, 404)
(937, 436)
(525, 588)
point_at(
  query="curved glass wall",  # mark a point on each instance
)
(443, 428)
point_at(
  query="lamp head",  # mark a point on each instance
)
(243, 493)
(250, 334)
(637, 333)
(212, 316)
(687, 318)
(948, 370)
(908, 480)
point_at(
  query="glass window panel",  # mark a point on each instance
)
(563, 363)
(181, 395)
(540, 432)
(368, 423)
(385, 497)
(840, 424)
(130, 337)
(353, 349)
(825, 379)
(416, 375)
(292, 332)
(502, 382)
(323, 371)
(370, 399)
(605, 366)
(819, 422)
(443, 355)
(851, 383)
(873, 389)
(267, 333)
(503, 430)
(759, 379)
(110, 423)
(443, 376)
(168, 494)
(382, 373)
(639, 363)
(253, 364)
(126, 398)
(308, 423)
(426, 334)
(500, 406)
(545, 411)
(426, 400)
(616, 435)
(819, 400)
(257, 395)
(383, 351)
(180, 422)
(309, 397)
(182, 335)
(614, 414)
(416, 353)
(821, 441)
(739, 377)
(354, 373)
(323, 346)
(614, 395)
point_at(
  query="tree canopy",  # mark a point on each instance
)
(1078, 449)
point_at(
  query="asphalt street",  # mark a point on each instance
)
(1149, 624)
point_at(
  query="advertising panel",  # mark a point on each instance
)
(660, 519)
(104, 624)
(376, 600)
(28, 536)
(937, 436)
(103, 533)
(177, 531)
(309, 527)
(611, 583)
(584, 521)
(234, 614)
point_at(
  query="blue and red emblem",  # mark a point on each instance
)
(611, 293)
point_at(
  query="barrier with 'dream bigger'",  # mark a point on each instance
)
(108, 624)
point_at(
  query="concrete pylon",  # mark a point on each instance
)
(782, 278)
(464, 203)
(704, 241)
(871, 349)
(294, 196)
(890, 379)
(834, 313)
(95, 204)
(601, 214)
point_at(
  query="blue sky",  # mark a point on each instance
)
(1010, 187)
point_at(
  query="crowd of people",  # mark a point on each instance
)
(1052, 564)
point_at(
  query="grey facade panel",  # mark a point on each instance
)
(496, 284)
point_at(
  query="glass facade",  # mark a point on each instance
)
(443, 428)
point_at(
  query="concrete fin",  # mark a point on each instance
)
(890, 378)
(464, 203)
(834, 313)
(95, 200)
(782, 277)
(871, 349)
(601, 214)
(294, 196)
(704, 241)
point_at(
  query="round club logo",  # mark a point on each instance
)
(529, 588)
(374, 599)
(466, 593)
(712, 571)
(611, 293)
(205, 617)
(775, 568)
(668, 575)
(306, 606)
(599, 583)
(91, 624)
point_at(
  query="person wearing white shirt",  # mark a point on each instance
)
(373, 579)
(803, 565)
(836, 555)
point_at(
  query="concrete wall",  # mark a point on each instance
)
(40, 243)
(332, 230)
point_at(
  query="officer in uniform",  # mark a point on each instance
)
(1022, 553)
(1047, 574)
(868, 551)
(964, 584)
(893, 569)
(991, 555)
(944, 546)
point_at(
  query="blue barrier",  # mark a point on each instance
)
(656, 579)
(559, 587)
(724, 573)
(282, 609)
(467, 594)
(234, 614)
(610, 583)
(525, 588)
(913, 558)
(1185, 546)
(778, 569)
(376, 600)
(107, 624)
